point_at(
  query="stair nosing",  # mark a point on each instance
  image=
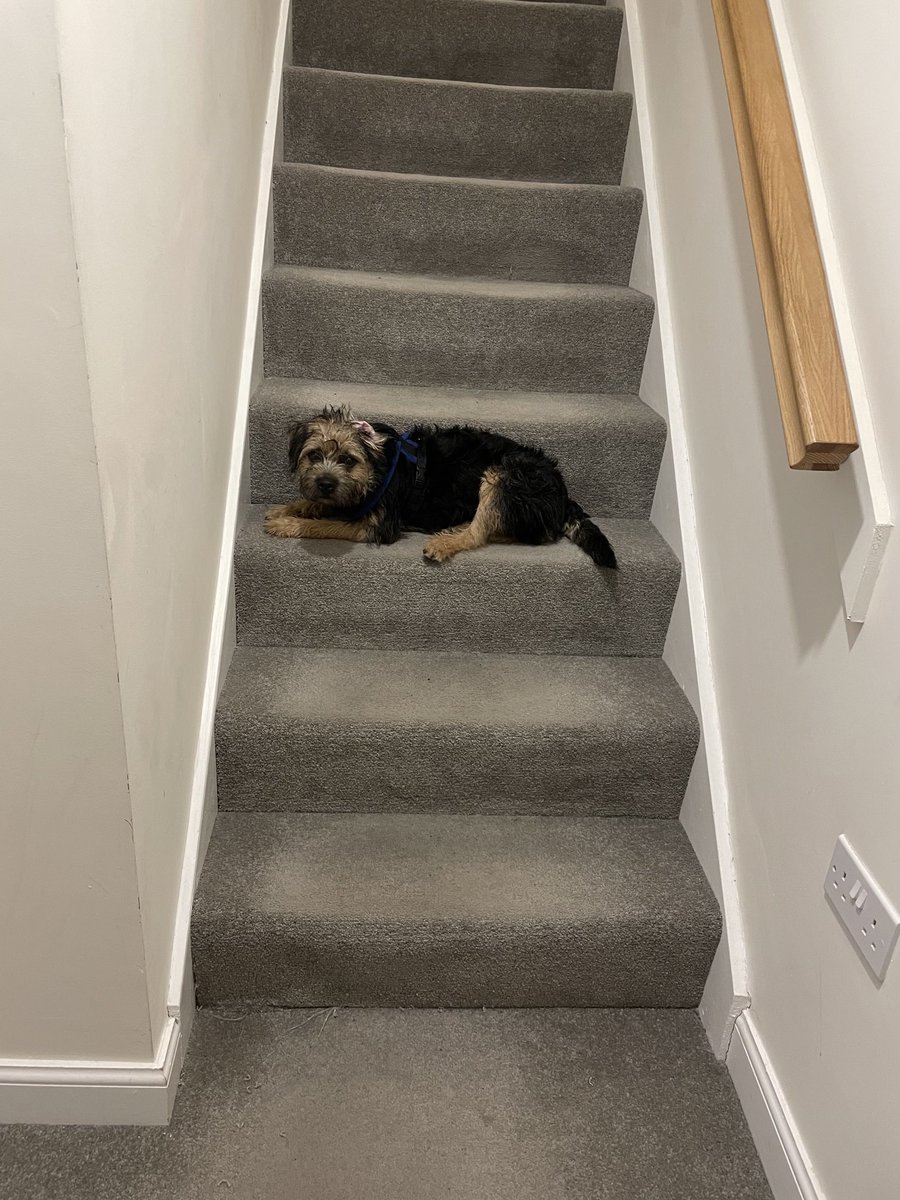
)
(483, 284)
(294, 167)
(464, 83)
(577, 4)
(274, 385)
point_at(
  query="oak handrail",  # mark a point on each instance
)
(819, 428)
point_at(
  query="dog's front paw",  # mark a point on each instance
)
(281, 523)
(437, 551)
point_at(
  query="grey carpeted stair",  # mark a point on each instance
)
(532, 599)
(378, 730)
(442, 225)
(616, 479)
(491, 41)
(358, 326)
(451, 911)
(443, 127)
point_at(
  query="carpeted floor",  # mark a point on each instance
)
(379, 1104)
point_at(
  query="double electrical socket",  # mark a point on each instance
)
(868, 916)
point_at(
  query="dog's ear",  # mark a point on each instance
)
(373, 438)
(299, 434)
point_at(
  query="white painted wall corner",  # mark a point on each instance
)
(67, 1092)
(203, 799)
(727, 990)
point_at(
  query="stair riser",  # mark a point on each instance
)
(381, 123)
(278, 962)
(481, 40)
(371, 331)
(610, 463)
(504, 599)
(326, 217)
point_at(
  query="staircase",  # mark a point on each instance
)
(459, 787)
(455, 786)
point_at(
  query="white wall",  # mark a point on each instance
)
(809, 705)
(71, 951)
(164, 108)
(132, 138)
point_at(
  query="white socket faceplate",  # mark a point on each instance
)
(865, 912)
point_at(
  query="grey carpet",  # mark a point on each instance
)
(478, 333)
(379, 1105)
(375, 731)
(441, 127)
(457, 786)
(404, 910)
(531, 599)
(441, 225)
(491, 41)
(617, 478)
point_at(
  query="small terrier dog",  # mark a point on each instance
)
(467, 487)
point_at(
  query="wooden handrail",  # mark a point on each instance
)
(819, 429)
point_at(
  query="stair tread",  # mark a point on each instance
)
(638, 540)
(423, 870)
(608, 445)
(545, 599)
(493, 41)
(341, 217)
(455, 911)
(396, 123)
(387, 689)
(467, 332)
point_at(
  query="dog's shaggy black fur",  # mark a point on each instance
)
(476, 487)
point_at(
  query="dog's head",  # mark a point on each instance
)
(336, 458)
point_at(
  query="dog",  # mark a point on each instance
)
(466, 487)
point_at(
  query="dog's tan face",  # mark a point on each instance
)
(335, 458)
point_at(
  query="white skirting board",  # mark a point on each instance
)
(774, 1133)
(98, 1093)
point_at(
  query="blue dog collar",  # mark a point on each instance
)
(404, 446)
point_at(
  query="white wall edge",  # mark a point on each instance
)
(730, 979)
(862, 564)
(61, 1092)
(775, 1135)
(202, 799)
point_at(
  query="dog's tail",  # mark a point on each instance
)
(581, 530)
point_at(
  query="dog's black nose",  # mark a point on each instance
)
(326, 484)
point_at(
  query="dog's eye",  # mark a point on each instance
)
(347, 460)
(314, 456)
